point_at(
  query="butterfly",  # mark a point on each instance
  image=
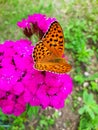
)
(48, 52)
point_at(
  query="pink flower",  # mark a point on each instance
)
(36, 23)
(8, 106)
(2, 93)
(18, 109)
(43, 96)
(24, 23)
(54, 90)
(41, 20)
(18, 88)
(16, 64)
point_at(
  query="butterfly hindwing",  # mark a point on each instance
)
(52, 67)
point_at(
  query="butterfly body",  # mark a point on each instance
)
(48, 53)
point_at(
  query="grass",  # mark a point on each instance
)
(13, 11)
(79, 21)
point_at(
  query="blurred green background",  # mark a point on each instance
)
(79, 20)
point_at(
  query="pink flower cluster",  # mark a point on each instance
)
(15, 70)
(35, 24)
(21, 84)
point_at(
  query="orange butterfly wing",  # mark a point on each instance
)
(48, 52)
(54, 39)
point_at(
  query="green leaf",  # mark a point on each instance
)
(79, 78)
(95, 108)
(85, 97)
(91, 113)
(81, 110)
(93, 77)
(32, 111)
(94, 86)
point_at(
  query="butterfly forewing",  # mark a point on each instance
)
(41, 53)
(54, 39)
